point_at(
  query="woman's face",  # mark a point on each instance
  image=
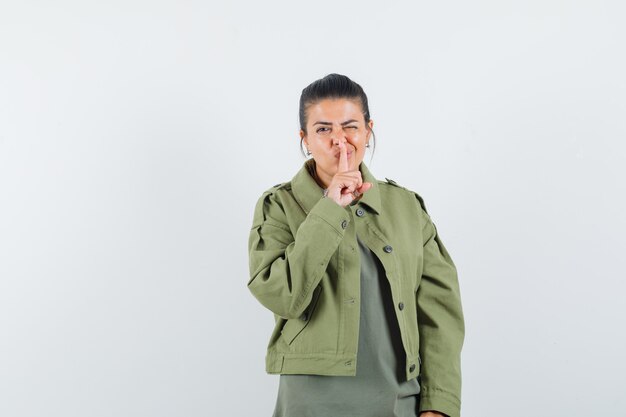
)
(330, 122)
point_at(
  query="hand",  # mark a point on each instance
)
(432, 414)
(344, 183)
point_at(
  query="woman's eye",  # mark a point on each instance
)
(326, 129)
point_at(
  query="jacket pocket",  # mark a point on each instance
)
(293, 327)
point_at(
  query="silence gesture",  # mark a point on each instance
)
(346, 185)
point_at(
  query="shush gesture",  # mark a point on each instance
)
(346, 185)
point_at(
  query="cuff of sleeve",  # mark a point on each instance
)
(440, 401)
(332, 213)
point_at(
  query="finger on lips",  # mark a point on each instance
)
(343, 158)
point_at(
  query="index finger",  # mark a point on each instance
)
(343, 158)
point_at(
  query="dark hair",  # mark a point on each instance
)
(333, 86)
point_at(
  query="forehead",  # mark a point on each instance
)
(335, 110)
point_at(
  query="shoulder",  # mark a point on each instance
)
(391, 186)
(269, 203)
(275, 192)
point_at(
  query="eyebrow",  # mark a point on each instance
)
(329, 123)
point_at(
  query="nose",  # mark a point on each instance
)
(338, 139)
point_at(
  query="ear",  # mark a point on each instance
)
(303, 137)
(371, 126)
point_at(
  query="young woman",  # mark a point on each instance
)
(365, 296)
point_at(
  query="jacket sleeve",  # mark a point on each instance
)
(441, 326)
(285, 269)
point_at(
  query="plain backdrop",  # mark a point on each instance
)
(136, 137)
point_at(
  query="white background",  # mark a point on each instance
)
(136, 137)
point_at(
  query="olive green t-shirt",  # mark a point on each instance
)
(377, 389)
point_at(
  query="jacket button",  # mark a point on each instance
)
(412, 367)
(344, 224)
(401, 305)
(387, 249)
(360, 212)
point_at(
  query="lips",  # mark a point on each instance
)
(349, 154)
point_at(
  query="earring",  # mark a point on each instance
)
(308, 152)
(367, 145)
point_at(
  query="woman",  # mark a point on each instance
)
(365, 296)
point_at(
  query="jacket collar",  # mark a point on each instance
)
(307, 192)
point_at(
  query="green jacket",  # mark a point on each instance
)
(305, 268)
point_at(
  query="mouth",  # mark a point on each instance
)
(349, 154)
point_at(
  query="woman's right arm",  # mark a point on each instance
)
(285, 269)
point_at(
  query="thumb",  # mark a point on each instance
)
(365, 186)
